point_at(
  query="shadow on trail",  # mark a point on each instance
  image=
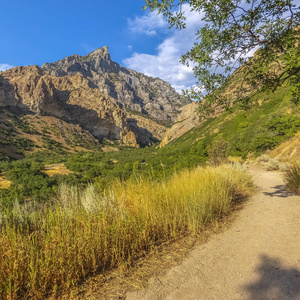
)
(275, 281)
(279, 191)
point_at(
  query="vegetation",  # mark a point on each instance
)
(29, 180)
(234, 133)
(272, 164)
(233, 29)
(24, 125)
(218, 152)
(9, 138)
(259, 128)
(292, 178)
(49, 250)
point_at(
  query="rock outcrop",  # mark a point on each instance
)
(129, 89)
(188, 119)
(70, 98)
(104, 98)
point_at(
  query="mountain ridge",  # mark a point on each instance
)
(104, 98)
(69, 98)
(129, 88)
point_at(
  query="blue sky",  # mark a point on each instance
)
(34, 32)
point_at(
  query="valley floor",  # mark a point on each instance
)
(258, 257)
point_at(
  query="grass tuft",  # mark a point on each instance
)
(4, 183)
(272, 164)
(292, 178)
(59, 169)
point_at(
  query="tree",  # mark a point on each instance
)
(233, 30)
(218, 152)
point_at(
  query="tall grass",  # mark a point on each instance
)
(292, 178)
(49, 250)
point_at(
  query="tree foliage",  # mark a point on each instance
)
(235, 29)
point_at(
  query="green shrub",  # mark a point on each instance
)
(264, 142)
(283, 125)
(218, 152)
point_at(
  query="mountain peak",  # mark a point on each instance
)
(103, 52)
(129, 89)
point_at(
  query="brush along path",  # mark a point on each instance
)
(258, 257)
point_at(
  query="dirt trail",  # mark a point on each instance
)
(258, 257)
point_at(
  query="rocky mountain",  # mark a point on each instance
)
(188, 119)
(69, 98)
(134, 91)
(29, 132)
(103, 98)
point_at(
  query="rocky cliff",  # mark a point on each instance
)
(70, 98)
(104, 98)
(188, 119)
(152, 97)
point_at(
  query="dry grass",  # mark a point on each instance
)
(288, 150)
(84, 233)
(292, 177)
(235, 160)
(60, 169)
(4, 183)
(271, 164)
(109, 149)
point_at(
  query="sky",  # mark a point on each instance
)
(35, 32)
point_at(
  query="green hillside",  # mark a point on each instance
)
(270, 120)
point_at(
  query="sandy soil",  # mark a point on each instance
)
(258, 257)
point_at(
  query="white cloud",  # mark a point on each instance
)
(250, 53)
(129, 47)
(147, 24)
(165, 64)
(4, 67)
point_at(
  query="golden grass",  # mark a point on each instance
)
(292, 177)
(85, 233)
(109, 149)
(4, 183)
(235, 159)
(60, 169)
(288, 150)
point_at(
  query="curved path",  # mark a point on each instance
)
(258, 257)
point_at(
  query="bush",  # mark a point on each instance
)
(264, 142)
(218, 152)
(271, 164)
(283, 125)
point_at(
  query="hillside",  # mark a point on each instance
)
(271, 120)
(265, 121)
(25, 133)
